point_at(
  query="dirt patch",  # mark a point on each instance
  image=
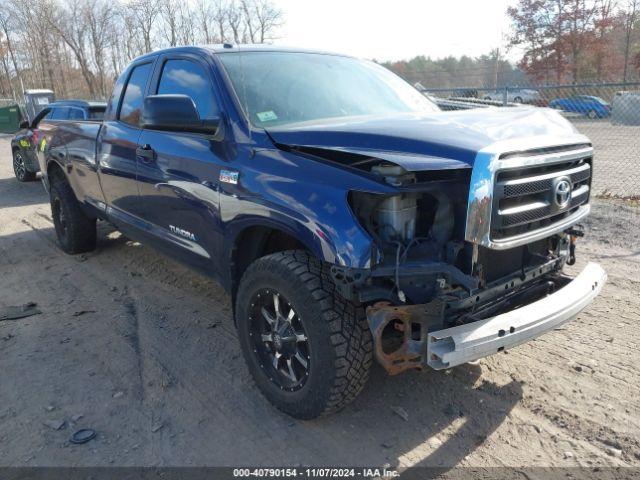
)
(152, 363)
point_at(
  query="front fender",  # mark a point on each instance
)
(304, 199)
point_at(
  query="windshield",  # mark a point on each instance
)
(281, 88)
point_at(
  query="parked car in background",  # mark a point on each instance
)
(524, 95)
(592, 107)
(25, 141)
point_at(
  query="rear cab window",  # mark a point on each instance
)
(76, 114)
(96, 113)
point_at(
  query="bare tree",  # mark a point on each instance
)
(79, 47)
(68, 21)
(630, 19)
(220, 17)
(233, 13)
(248, 6)
(268, 19)
(98, 15)
(145, 13)
(7, 30)
(169, 12)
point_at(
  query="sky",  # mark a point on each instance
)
(396, 29)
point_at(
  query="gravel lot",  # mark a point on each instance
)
(144, 351)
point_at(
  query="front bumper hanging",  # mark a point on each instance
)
(453, 346)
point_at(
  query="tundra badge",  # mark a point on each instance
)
(182, 233)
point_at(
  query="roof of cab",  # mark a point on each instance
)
(231, 48)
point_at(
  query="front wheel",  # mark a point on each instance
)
(20, 168)
(592, 114)
(308, 350)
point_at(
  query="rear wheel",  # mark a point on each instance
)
(308, 350)
(76, 231)
(517, 100)
(20, 168)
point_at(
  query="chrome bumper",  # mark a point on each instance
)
(457, 345)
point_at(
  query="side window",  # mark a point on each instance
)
(189, 78)
(60, 113)
(131, 108)
(76, 114)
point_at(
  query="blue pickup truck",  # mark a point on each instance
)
(347, 216)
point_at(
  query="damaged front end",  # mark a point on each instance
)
(469, 261)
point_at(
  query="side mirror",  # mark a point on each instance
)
(24, 124)
(175, 113)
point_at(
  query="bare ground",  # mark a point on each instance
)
(144, 351)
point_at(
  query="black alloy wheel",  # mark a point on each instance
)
(308, 349)
(279, 340)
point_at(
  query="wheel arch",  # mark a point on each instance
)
(260, 239)
(54, 168)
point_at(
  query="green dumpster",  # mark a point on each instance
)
(10, 119)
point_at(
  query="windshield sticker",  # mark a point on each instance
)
(267, 116)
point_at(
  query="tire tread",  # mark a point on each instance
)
(349, 332)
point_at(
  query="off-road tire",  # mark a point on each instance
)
(76, 231)
(20, 169)
(340, 343)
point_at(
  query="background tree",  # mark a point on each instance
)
(78, 47)
(576, 40)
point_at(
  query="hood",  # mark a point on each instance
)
(426, 141)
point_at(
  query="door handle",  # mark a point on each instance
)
(147, 153)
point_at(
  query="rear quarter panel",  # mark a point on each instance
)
(72, 145)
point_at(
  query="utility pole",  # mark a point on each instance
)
(495, 72)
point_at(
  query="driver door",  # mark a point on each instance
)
(178, 172)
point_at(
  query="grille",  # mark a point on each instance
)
(530, 198)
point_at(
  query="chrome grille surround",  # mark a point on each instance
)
(487, 189)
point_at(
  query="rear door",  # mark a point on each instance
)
(179, 182)
(117, 143)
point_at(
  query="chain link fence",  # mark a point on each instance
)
(608, 113)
